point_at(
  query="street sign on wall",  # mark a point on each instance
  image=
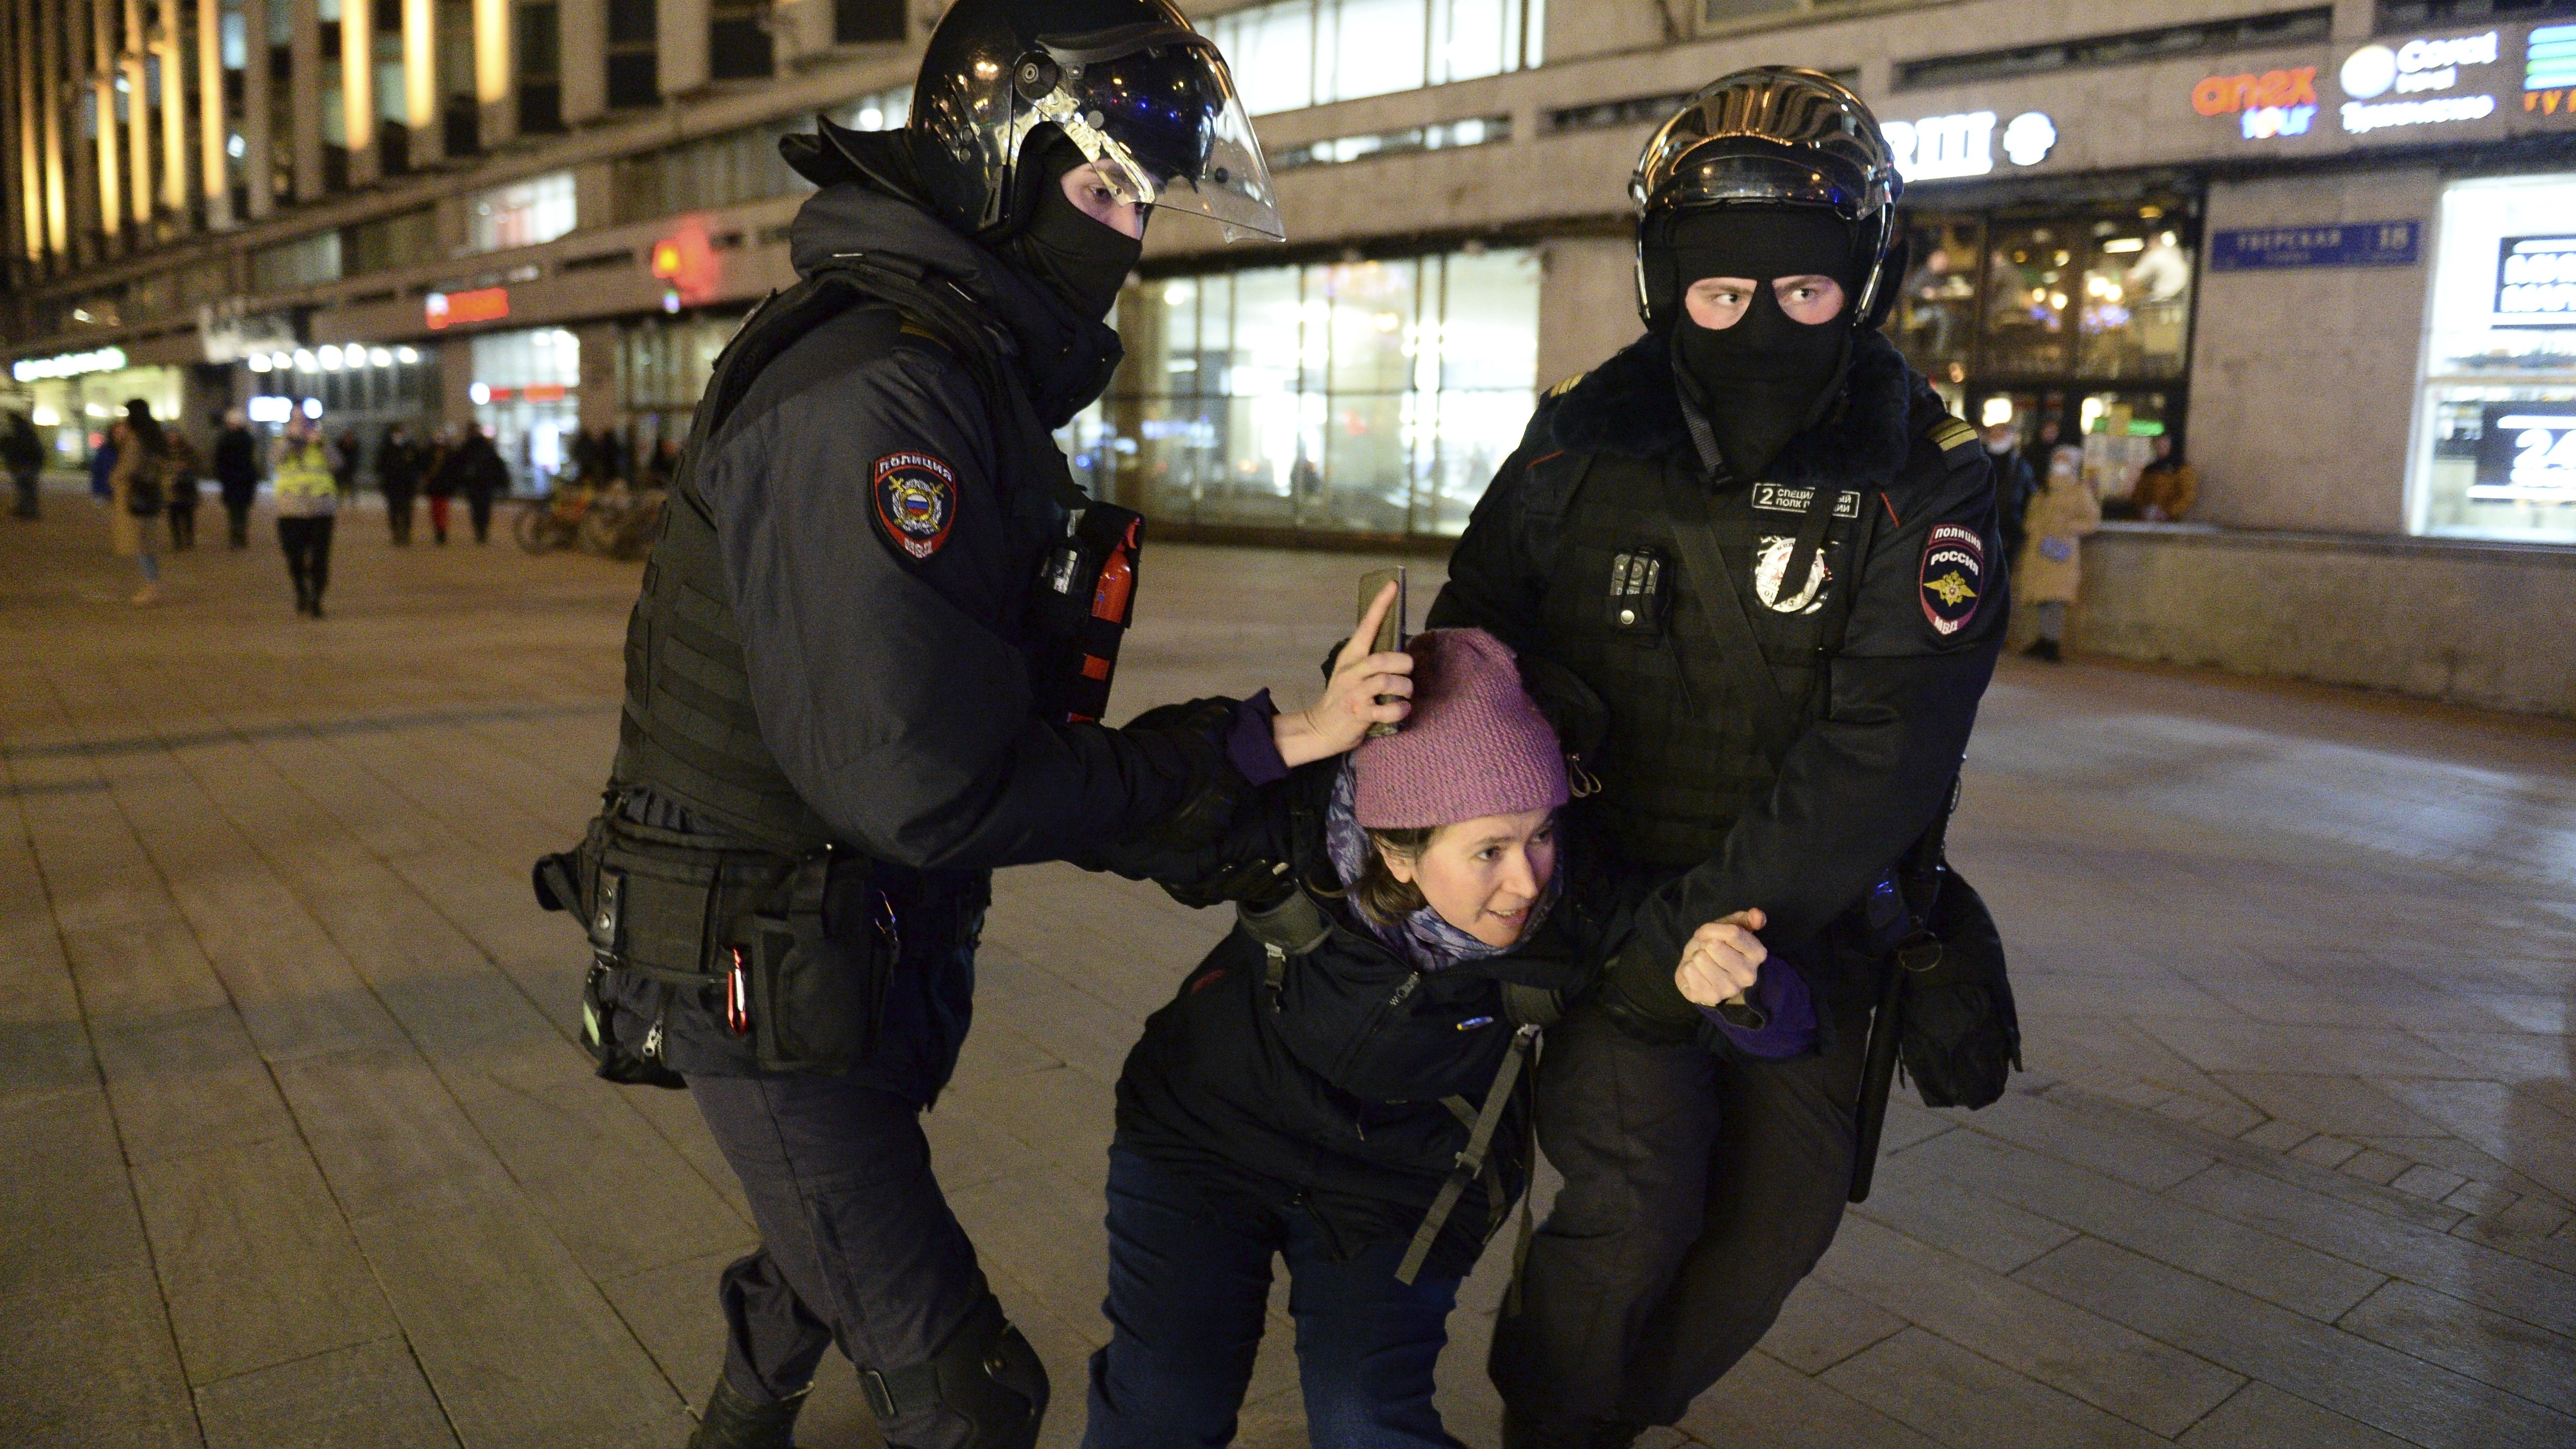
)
(2334, 244)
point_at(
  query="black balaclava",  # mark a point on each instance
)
(1080, 259)
(1766, 379)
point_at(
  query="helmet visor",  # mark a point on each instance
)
(1746, 172)
(1166, 128)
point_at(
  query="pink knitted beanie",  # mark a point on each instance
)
(1474, 745)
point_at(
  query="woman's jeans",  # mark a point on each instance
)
(1189, 1283)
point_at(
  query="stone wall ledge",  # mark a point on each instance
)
(2382, 545)
(2468, 621)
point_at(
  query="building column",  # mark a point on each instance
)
(138, 119)
(358, 88)
(214, 166)
(427, 138)
(259, 139)
(50, 49)
(304, 47)
(17, 85)
(173, 100)
(680, 30)
(493, 80)
(582, 59)
(109, 173)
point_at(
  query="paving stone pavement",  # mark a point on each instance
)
(298, 1151)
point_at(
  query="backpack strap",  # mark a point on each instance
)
(1293, 927)
(1471, 1158)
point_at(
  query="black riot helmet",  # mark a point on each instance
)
(1770, 137)
(1127, 81)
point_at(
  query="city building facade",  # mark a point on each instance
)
(2330, 248)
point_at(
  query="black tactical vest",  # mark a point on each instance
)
(688, 732)
(1691, 742)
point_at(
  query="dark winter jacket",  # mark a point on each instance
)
(879, 541)
(1873, 760)
(1339, 1092)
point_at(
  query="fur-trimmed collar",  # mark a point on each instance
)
(1631, 405)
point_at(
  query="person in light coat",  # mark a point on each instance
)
(2051, 566)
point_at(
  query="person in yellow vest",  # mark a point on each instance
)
(307, 498)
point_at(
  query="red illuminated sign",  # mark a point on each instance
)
(455, 309)
(687, 261)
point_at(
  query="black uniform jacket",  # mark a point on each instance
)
(1326, 1096)
(880, 544)
(1871, 769)
(880, 539)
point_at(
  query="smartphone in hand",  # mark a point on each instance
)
(1390, 630)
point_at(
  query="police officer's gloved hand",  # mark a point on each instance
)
(1640, 998)
(1186, 742)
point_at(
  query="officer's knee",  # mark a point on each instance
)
(986, 1373)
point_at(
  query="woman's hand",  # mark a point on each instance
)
(1350, 704)
(1721, 960)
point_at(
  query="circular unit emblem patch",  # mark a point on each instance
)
(1771, 567)
(916, 502)
(1952, 578)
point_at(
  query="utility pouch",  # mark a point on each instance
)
(816, 1004)
(1961, 1038)
(1080, 610)
(717, 927)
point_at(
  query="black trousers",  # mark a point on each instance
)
(398, 513)
(26, 479)
(1698, 1191)
(307, 545)
(478, 508)
(183, 520)
(237, 501)
(857, 1246)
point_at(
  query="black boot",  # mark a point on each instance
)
(733, 1421)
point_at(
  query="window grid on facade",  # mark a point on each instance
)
(1297, 53)
(1369, 397)
(521, 214)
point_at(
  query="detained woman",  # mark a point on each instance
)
(1338, 1082)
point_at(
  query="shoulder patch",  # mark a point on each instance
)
(1952, 577)
(1567, 385)
(1951, 434)
(915, 498)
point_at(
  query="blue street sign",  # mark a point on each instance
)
(2334, 244)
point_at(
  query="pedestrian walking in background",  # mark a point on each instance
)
(2014, 482)
(102, 464)
(2047, 574)
(398, 468)
(439, 481)
(137, 487)
(344, 465)
(185, 470)
(481, 476)
(23, 454)
(236, 475)
(308, 495)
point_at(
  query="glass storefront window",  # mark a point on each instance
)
(1297, 53)
(1936, 307)
(2135, 308)
(1370, 397)
(521, 214)
(2030, 274)
(2495, 422)
(2078, 319)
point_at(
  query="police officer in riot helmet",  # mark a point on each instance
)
(866, 668)
(1760, 538)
